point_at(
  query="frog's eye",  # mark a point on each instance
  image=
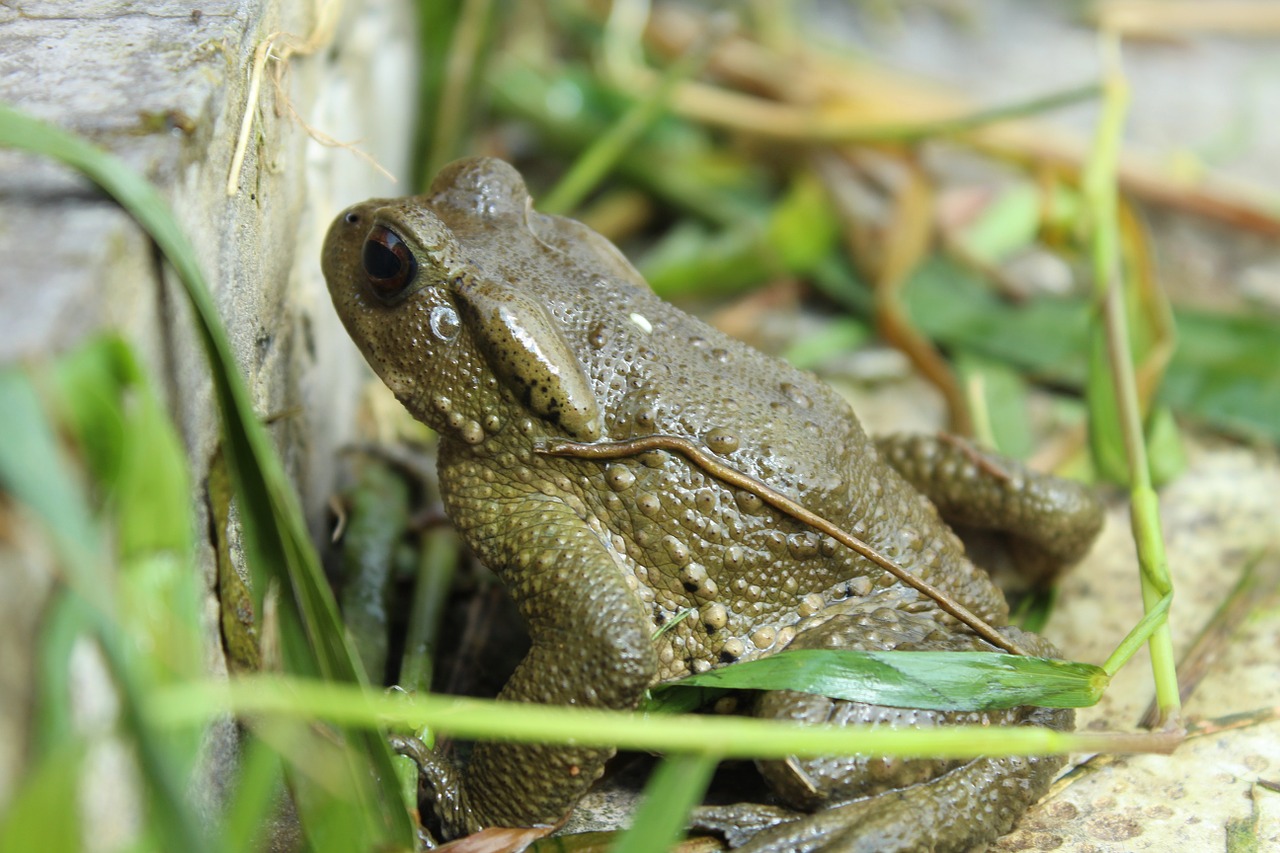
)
(387, 262)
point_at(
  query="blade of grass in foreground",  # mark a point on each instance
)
(729, 737)
(275, 537)
(37, 472)
(1102, 195)
(673, 790)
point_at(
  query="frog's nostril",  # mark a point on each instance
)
(352, 218)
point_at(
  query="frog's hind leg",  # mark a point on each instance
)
(1050, 522)
(864, 802)
(970, 805)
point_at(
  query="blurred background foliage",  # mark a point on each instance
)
(803, 198)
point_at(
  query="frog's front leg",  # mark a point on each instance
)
(590, 647)
(1050, 522)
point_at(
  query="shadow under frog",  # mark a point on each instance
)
(505, 329)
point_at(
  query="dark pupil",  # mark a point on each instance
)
(380, 261)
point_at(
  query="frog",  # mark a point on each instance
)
(512, 332)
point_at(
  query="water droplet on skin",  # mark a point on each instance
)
(444, 322)
(642, 322)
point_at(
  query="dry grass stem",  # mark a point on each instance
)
(281, 46)
(1167, 18)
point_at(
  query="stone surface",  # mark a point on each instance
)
(1217, 516)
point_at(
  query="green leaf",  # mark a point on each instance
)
(130, 445)
(571, 108)
(43, 814)
(1222, 372)
(259, 784)
(1165, 451)
(802, 226)
(37, 471)
(797, 235)
(38, 474)
(1106, 437)
(1010, 222)
(840, 335)
(968, 681)
(998, 397)
(377, 518)
(1046, 336)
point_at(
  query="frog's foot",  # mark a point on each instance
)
(971, 805)
(441, 782)
(740, 822)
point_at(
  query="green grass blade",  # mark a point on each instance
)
(729, 737)
(275, 536)
(1101, 195)
(41, 815)
(600, 157)
(36, 473)
(673, 790)
(35, 469)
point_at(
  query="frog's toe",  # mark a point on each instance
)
(740, 822)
